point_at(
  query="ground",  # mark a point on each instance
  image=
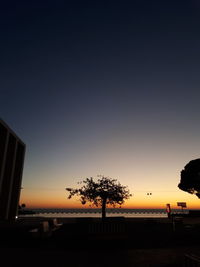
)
(146, 243)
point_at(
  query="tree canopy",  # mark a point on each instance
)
(104, 191)
(190, 178)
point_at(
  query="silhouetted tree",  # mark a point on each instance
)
(22, 206)
(105, 191)
(190, 178)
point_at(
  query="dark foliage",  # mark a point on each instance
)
(104, 191)
(190, 178)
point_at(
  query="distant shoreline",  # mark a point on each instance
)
(96, 213)
(99, 209)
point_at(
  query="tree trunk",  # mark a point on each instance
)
(103, 209)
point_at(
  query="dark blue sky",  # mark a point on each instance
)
(108, 54)
(97, 83)
(63, 44)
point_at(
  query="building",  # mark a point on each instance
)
(12, 151)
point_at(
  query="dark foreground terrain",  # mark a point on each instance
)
(89, 242)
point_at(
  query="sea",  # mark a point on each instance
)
(120, 212)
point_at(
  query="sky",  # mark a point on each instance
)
(102, 87)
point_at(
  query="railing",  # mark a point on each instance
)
(106, 228)
(191, 261)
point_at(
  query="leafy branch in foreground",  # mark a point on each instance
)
(190, 178)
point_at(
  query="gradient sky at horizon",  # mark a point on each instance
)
(102, 87)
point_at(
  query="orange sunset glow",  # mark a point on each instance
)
(139, 200)
(112, 93)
